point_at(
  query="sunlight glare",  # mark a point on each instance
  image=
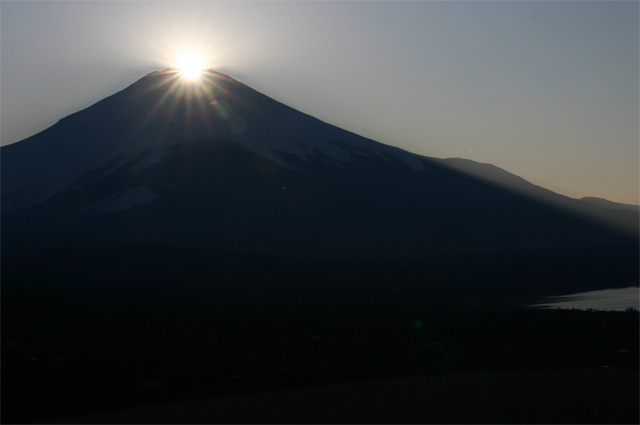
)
(190, 65)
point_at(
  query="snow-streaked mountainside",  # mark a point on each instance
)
(147, 118)
(165, 162)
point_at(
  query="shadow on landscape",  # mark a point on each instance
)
(90, 331)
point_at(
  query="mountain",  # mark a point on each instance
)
(216, 169)
(493, 174)
(604, 203)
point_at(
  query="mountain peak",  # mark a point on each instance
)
(160, 110)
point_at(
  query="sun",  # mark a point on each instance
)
(190, 65)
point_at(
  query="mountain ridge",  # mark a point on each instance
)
(222, 165)
(148, 94)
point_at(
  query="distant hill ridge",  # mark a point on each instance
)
(604, 203)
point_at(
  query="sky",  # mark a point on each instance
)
(547, 90)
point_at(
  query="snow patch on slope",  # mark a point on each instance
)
(135, 197)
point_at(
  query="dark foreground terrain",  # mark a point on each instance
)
(549, 396)
(201, 336)
(131, 354)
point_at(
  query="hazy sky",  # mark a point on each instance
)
(546, 90)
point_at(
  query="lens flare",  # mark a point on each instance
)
(190, 65)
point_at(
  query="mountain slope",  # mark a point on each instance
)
(594, 208)
(219, 166)
(160, 110)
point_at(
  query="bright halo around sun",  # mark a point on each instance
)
(190, 65)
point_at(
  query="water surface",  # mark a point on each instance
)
(609, 299)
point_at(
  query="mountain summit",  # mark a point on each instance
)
(217, 165)
(157, 113)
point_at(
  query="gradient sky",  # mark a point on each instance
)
(546, 90)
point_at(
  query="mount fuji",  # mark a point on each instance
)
(169, 171)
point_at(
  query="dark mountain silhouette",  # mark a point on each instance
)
(604, 203)
(491, 173)
(220, 168)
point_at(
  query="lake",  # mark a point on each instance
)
(608, 299)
